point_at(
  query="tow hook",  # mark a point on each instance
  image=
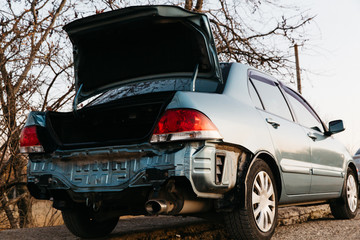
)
(94, 204)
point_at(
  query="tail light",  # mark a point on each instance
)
(184, 124)
(29, 141)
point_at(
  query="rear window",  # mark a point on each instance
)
(162, 85)
(153, 86)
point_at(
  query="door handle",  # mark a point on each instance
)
(272, 122)
(312, 136)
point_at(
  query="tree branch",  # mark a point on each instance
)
(36, 47)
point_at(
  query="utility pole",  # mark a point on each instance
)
(297, 68)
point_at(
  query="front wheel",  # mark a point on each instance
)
(79, 223)
(346, 206)
(258, 219)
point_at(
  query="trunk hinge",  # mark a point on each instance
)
(194, 76)
(76, 99)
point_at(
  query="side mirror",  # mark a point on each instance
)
(335, 126)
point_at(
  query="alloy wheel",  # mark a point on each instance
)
(351, 193)
(263, 201)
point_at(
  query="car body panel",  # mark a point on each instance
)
(36, 118)
(329, 164)
(292, 153)
(231, 103)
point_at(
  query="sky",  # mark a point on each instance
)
(331, 82)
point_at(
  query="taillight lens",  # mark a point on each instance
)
(184, 124)
(29, 141)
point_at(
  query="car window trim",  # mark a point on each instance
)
(256, 76)
(306, 105)
(257, 93)
(274, 83)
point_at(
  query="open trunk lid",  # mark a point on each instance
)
(140, 43)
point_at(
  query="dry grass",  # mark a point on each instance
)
(45, 215)
(42, 212)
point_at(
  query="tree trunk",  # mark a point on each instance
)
(24, 203)
(199, 4)
(25, 208)
(188, 5)
(8, 211)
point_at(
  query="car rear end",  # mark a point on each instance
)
(135, 145)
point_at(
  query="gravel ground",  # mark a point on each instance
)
(321, 229)
(294, 223)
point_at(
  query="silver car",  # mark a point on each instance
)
(170, 130)
(356, 158)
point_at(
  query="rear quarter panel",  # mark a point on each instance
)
(232, 112)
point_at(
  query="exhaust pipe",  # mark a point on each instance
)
(195, 206)
(173, 200)
(158, 206)
(161, 206)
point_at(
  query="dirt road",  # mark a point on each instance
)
(189, 228)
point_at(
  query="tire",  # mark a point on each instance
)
(258, 219)
(82, 225)
(346, 206)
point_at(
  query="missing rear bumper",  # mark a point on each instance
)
(114, 170)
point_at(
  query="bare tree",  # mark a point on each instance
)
(30, 64)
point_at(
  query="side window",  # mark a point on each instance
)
(272, 98)
(303, 112)
(254, 96)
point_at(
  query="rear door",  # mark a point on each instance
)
(290, 141)
(326, 153)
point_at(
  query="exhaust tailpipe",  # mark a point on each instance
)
(158, 206)
(174, 200)
(161, 206)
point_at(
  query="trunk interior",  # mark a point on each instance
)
(125, 121)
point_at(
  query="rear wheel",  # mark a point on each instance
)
(258, 219)
(346, 206)
(79, 223)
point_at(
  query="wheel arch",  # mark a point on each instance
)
(341, 208)
(352, 166)
(270, 160)
(242, 222)
(246, 160)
